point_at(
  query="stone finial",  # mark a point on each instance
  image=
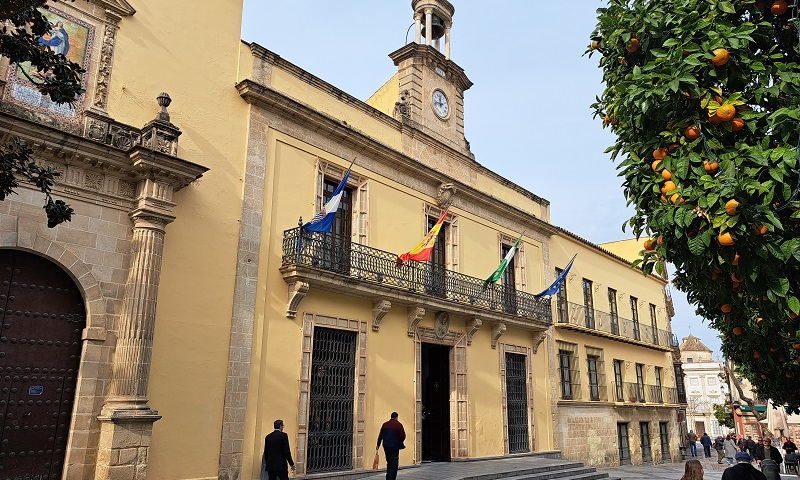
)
(164, 101)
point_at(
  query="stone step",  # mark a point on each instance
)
(580, 473)
(543, 472)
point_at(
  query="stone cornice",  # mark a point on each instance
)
(271, 99)
(119, 7)
(426, 52)
(135, 163)
(273, 58)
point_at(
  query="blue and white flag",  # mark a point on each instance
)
(323, 220)
(556, 286)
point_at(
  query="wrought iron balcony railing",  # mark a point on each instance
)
(575, 314)
(632, 392)
(340, 256)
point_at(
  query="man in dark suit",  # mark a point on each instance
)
(392, 435)
(277, 453)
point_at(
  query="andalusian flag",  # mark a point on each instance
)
(422, 252)
(498, 273)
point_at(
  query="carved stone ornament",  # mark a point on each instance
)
(596, 287)
(104, 67)
(402, 107)
(415, 315)
(571, 278)
(445, 194)
(538, 338)
(473, 326)
(297, 291)
(497, 332)
(442, 325)
(379, 310)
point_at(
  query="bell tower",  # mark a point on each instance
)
(431, 85)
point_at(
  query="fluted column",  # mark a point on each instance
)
(418, 27)
(447, 41)
(428, 26)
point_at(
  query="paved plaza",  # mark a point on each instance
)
(670, 471)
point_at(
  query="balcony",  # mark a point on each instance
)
(331, 263)
(577, 317)
(628, 392)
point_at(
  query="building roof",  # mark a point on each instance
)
(693, 344)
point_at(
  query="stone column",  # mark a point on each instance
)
(447, 41)
(127, 418)
(418, 27)
(428, 26)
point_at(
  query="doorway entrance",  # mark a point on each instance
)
(41, 320)
(435, 403)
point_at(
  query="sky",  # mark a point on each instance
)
(527, 115)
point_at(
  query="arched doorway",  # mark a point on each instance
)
(41, 322)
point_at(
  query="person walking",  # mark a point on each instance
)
(743, 470)
(719, 447)
(692, 439)
(277, 453)
(693, 470)
(392, 435)
(730, 449)
(706, 442)
(751, 446)
(766, 451)
(788, 445)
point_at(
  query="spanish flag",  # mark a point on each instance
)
(422, 252)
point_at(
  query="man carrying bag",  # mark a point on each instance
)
(392, 436)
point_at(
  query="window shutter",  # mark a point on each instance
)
(319, 197)
(519, 267)
(452, 245)
(361, 214)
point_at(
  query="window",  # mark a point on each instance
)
(639, 382)
(635, 316)
(624, 446)
(663, 432)
(658, 397)
(334, 247)
(644, 433)
(567, 366)
(654, 323)
(436, 273)
(618, 380)
(588, 303)
(509, 282)
(689, 360)
(561, 300)
(595, 367)
(612, 306)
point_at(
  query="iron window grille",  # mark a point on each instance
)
(624, 444)
(612, 306)
(568, 371)
(366, 264)
(588, 303)
(654, 323)
(637, 335)
(611, 323)
(509, 281)
(679, 383)
(517, 403)
(644, 434)
(659, 396)
(594, 377)
(561, 300)
(663, 429)
(618, 379)
(331, 401)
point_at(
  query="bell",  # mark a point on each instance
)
(437, 28)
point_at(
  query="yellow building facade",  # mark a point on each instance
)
(205, 312)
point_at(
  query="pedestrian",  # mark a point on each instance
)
(277, 453)
(730, 449)
(743, 470)
(705, 440)
(693, 470)
(719, 447)
(751, 446)
(692, 439)
(392, 435)
(766, 451)
(789, 446)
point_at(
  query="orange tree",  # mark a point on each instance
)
(704, 98)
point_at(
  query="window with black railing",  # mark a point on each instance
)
(561, 300)
(654, 323)
(624, 444)
(637, 335)
(659, 395)
(594, 377)
(614, 310)
(565, 370)
(575, 314)
(640, 382)
(588, 303)
(679, 383)
(618, 386)
(509, 280)
(337, 254)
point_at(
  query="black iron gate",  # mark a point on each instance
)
(41, 321)
(330, 422)
(517, 403)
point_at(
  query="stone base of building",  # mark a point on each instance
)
(124, 445)
(588, 432)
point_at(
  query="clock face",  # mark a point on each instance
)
(440, 105)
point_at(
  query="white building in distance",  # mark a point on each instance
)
(704, 388)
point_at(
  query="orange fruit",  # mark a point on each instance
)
(714, 119)
(668, 186)
(633, 45)
(726, 112)
(676, 199)
(710, 167)
(762, 230)
(660, 240)
(655, 165)
(609, 120)
(663, 199)
(779, 7)
(756, 354)
(672, 147)
(666, 174)
(731, 207)
(736, 258)
(793, 315)
(649, 245)
(595, 44)
(796, 346)
(725, 239)
(726, 308)
(721, 57)
(737, 124)
(738, 331)
(692, 132)
(759, 320)
(660, 153)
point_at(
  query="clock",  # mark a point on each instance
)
(440, 105)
